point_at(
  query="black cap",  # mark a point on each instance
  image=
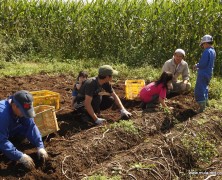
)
(24, 101)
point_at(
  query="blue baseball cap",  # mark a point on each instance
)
(24, 101)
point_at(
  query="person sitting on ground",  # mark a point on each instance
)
(177, 66)
(97, 94)
(204, 69)
(80, 80)
(155, 92)
(16, 120)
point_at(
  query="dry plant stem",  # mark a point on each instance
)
(152, 170)
(154, 176)
(161, 151)
(122, 139)
(100, 139)
(185, 127)
(64, 172)
(209, 177)
(61, 139)
(132, 176)
(174, 162)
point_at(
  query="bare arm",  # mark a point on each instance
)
(162, 102)
(89, 108)
(117, 101)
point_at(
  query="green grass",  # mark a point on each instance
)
(127, 126)
(72, 67)
(134, 32)
(202, 149)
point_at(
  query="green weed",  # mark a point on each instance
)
(202, 149)
(127, 126)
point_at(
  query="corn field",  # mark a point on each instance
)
(135, 32)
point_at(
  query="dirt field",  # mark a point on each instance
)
(80, 149)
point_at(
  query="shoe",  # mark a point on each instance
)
(202, 106)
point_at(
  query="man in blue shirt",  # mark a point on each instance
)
(204, 72)
(16, 119)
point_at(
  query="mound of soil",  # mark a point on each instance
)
(81, 149)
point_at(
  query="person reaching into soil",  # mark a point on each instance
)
(204, 72)
(80, 80)
(155, 92)
(178, 66)
(16, 119)
(97, 94)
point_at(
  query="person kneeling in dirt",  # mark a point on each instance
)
(83, 75)
(177, 66)
(155, 92)
(97, 94)
(16, 120)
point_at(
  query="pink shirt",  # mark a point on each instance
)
(149, 90)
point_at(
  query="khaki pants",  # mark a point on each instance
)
(179, 88)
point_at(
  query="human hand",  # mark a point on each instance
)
(81, 79)
(194, 67)
(100, 121)
(27, 161)
(170, 108)
(169, 85)
(42, 154)
(125, 114)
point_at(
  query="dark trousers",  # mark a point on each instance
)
(98, 103)
(102, 103)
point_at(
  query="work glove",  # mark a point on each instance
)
(195, 67)
(125, 114)
(42, 154)
(100, 121)
(27, 161)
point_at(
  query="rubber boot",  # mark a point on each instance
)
(207, 103)
(202, 106)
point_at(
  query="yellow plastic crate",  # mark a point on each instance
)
(133, 87)
(45, 119)
(45, 97)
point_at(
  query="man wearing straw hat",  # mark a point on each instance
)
(97, 94)
(16, 120)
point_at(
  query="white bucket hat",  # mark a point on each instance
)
(206, 38)
(181, 51)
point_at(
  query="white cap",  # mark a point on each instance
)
(181, 51)
(206, 38)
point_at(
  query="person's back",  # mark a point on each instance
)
(152, 89)
(155, 92)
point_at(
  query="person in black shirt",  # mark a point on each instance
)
(97, 94)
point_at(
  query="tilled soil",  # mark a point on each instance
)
(80, 149)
